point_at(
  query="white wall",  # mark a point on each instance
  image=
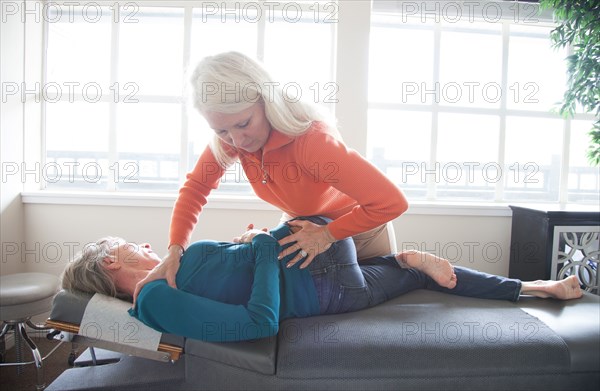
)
(55, 232)
(12, 35)
(479, 242)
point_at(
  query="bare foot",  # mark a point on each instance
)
(439, 269)
(563, 290)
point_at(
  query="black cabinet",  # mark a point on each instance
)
(539, 234)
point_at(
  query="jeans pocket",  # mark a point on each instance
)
(351, 299)
(324, 287)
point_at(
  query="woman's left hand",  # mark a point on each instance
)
(311, 239)
(250, 233)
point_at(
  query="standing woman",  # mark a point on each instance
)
(294, 159)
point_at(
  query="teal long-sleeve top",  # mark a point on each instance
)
(229, 292)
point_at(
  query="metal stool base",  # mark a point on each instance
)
(20, 330)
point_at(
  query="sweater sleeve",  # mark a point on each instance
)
(193, 196)
(378, 199)
(177, 312)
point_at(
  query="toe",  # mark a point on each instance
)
(452, 283)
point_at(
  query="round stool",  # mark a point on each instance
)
(23, 295)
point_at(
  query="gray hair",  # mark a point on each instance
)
(232, 82)
(86, 272)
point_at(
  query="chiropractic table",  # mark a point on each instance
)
(421, 340)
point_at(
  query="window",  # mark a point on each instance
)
(461, 100)
(114, 95)
(460, 105)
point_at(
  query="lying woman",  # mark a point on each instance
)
(241, 291)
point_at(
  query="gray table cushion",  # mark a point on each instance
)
(417, 332)
(69, 307)
(422, 334)
(577, 322)
(258, 355)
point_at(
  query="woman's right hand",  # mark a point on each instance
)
(166, 269)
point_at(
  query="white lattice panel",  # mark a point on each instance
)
(576, 251)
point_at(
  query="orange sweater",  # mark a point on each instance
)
(312, 174)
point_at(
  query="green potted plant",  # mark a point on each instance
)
(579, 27)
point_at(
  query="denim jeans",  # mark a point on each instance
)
(343, 285)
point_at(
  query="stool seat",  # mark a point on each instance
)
(23, 295)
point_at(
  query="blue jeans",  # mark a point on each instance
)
(343, 285)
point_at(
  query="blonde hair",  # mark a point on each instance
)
(232, 82)
(86, 272)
